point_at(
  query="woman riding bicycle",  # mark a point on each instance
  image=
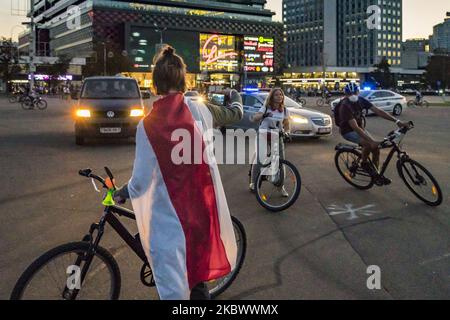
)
(272, 115)
(181, 210)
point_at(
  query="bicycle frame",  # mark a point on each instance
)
(113, 221)
(394, 149)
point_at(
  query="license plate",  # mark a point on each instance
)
(324, 130)
(110, 130)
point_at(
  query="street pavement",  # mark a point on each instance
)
(306, 252)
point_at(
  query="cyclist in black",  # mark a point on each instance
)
(349, 118)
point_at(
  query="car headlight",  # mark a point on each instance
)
(83, 113)
(299, 119)
(137, 113)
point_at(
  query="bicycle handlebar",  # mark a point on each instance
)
(88, 174)
(394, 134)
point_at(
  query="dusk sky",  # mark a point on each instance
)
(419, 17)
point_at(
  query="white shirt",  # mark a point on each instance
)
(271, 122)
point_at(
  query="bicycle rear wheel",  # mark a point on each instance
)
(420, 182)
(269, 189)
(348, 165)
(27, 103)
(320, 102)
(218, 286)
(48, 277)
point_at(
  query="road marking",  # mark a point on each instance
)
(444, 256)
(353, 213)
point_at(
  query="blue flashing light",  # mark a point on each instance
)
(251, 89)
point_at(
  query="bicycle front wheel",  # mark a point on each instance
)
(216, 287)
(281, 190)
(56, 276)
(420, 182)
(41, 104)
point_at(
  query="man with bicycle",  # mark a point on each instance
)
(349, 118)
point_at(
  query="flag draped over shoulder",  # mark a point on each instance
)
(181, 210)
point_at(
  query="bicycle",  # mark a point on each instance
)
(415, 176)
(421, 103)
(324, 101)
(16, 97)
(86, 261)
(31, 102)
(268, 186)
(302, 101)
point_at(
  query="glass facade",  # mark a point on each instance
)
(354, 42)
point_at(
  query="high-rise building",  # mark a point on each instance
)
(338, 33)
(440, 40)
(415, 53)
(337, 41)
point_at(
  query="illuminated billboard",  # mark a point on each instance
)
(143, 42)
(258, 54)
(218, 53)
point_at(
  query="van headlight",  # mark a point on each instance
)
(136, 113)
(299, 119)
(83, 113)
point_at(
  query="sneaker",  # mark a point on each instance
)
(367, 166)
(284, 193)
(252, 187)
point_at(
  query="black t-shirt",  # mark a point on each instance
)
(352, 110)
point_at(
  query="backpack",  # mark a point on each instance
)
(337, 119)
(336, 112)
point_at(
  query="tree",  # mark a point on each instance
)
(116, 62)
(382, 74)
(438, 70)
(9, 64)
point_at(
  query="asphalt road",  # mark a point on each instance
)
(303, 253)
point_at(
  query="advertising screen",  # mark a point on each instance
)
(218, 53)
(144, 41)
(258, 54)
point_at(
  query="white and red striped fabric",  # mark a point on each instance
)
(181, 210)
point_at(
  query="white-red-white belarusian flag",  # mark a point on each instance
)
(181, 210)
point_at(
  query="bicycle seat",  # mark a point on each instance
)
(344, 146)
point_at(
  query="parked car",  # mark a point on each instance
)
(303, 122)
(108, 107)
(386, 100)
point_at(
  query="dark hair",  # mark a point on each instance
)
(169, 72)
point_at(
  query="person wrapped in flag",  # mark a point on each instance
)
(181, 210)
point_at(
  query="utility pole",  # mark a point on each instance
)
(104, 58)
(32, 66)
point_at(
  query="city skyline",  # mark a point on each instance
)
(418, 20)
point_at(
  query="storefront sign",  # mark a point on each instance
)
(259, 54)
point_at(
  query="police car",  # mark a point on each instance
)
(384, 99)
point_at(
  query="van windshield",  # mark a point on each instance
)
(110, 89)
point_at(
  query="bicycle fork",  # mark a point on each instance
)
(71, 294)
